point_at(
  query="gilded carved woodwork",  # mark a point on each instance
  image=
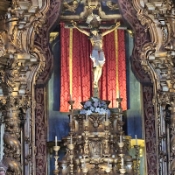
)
(70, 6)
(158, 60)
(25, 59)
(96, 143)
(20, 61)
(41, 43)
(40, 118)
(80, 9)
(41, 132)
(140, 38)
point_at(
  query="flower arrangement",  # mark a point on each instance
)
(95, 105)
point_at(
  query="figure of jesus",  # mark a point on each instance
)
(97, 54)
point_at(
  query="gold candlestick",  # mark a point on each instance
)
(121, 145)
(71, 102)
(56, 149)
(137, 160)
(71, 148)
(122, 169)
(119, 100)
(108, 168)
(84, 168)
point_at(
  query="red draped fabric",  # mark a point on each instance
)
(108, 80)
(82, 69)
(122, 68)
(65, 88)
(82, 85)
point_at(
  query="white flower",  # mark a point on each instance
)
(97, 110)
(83, 111)
(102, 111)
(88, 112)
(92, 108)
(95, 103)
(87, 103)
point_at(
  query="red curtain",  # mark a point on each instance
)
(65, 88)
(108, 79)
(122, 68)
(81, 82)
(82, 69)
(113, 62)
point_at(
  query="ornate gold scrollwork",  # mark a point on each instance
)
(19, 64)
(70, 6)
(112, 5)
(158, 61)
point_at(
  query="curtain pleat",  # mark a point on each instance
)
(65, 84)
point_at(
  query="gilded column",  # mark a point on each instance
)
(158, 56)
(20, 62)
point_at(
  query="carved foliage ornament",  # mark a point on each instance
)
(158, 56)
(91, 4)
(19, 62)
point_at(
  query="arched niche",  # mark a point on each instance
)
(140, 39)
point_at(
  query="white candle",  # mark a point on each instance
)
(118, 94)
(136, 139)
(71, 139)
(55, 140)
(120, 139)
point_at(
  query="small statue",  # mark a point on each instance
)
(97, 54)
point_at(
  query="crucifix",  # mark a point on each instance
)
(97, 55)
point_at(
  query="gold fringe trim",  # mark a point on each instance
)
(116, 54)
(70, 58)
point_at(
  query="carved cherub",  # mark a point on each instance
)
(70, 6)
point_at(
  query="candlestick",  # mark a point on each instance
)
(70, 118)
(108, 168)
(136, 139)
(55, 140)
(56, 149)
(137, 159)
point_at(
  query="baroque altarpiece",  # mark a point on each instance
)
(26, 64)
